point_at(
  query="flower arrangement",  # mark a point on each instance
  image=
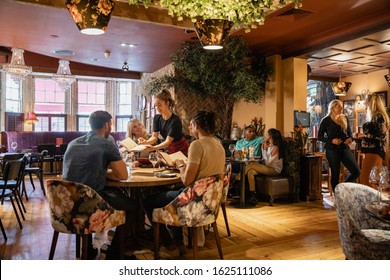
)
(258, 125)
(245, 13)
(300, 136)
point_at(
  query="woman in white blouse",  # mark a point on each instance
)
(273, 153)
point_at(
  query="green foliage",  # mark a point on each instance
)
(229, 74)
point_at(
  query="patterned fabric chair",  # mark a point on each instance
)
(77, 209)
(362, 237)
(225, 190)
(195, 207)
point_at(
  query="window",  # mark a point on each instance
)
(83, 123)
(50, 122)
(13, 95)
(124, 105)
(91, 96)
(49, 98)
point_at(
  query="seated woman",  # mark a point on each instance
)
(206, 157)
(273, 153)
(135, 131)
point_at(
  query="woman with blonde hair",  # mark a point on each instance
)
(335, 132)
(136, 130)
(374, 141)
(167, 125)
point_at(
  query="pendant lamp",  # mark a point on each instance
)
(91, 16)
(387, 77)
(212, 33)
(341, 88)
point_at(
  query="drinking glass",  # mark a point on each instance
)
(245, 152)
(374, 176)
(14, 146)
(129, 159)
(383, 182)
(232, 147)
(153, 159)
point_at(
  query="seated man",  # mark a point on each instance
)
(250, 139)
(86, 161)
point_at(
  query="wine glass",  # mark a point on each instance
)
(232, 147)
(374, 176)
(383, 182)
(14, 146)
(153, 159)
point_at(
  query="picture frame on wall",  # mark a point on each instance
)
(349, 108)
(351, 123)
(383, 96)
(360, 118)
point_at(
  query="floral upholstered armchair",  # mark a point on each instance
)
(78, 209)
(363, 237)
(196, 206)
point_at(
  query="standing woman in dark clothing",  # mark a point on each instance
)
(335, 132)
(167, 125)
(374, 141)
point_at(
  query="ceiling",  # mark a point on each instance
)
(351, 33)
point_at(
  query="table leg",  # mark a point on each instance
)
(242, 190)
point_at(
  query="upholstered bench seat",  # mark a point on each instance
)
(274, 187)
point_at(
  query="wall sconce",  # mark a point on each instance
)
(91, 16)
(31, 118)
(341, 88)
(17, 69)
(212, 33)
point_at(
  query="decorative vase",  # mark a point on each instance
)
(212, 33)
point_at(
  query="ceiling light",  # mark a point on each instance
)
(127, 45)
(17, 69)
(63, 52)
(91, 16)
(341, 88)
(64, 77)
(212, 33)
(125, 67)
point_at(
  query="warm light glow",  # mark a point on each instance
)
(31, 118)
(341, 88)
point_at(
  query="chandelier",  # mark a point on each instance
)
(17, 69)
(341, 88)
(64, 77)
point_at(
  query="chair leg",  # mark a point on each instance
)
(216, 235)
(32, 181)
(16, 213)
(19, 197)
(84, 246)
(223, 206)
(78, 246)
(194, 242)
(40, 177)
(53, 245)
(156, 237)
(24, 191)
(2, 230)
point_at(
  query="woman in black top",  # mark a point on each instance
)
(374, 141)
(336, 134)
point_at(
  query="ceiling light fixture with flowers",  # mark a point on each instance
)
(243, 13)
(341, 88)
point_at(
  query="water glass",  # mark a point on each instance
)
(14, 146)
(232, 147)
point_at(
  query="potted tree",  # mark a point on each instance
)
(221, 78)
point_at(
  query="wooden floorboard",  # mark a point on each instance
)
(284, 231)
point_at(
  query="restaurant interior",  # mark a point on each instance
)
(54, 75)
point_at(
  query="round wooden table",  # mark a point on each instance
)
(144, 177)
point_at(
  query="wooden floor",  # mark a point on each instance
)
(285, 231)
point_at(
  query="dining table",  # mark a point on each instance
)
(380, 211)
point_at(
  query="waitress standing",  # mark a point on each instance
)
(167, 125)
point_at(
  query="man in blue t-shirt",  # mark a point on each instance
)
(90, 160)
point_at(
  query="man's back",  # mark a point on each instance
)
(87, 158)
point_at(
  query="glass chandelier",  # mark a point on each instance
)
(17, 69)
(64, 77)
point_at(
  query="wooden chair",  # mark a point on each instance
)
(196, 206)
(9, 185)
(78, 209)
